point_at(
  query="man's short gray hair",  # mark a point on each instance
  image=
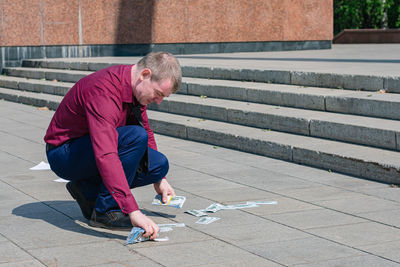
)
(163, 66)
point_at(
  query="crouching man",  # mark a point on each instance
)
(100, 140)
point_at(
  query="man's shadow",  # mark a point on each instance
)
(66, 215)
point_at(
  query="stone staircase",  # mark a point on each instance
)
(271, 113)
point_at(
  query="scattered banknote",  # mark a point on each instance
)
(213, 208)
(197, 213)
(171, 225)
(240, 206)
(207, 220)
(173, 201)
(263, 202)
(136, 236)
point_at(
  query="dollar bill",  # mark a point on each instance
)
(213, 208)
(263, 202)
(240, 206)
(197, 213)
(172, 201)
(171, 225)
(207, 220)
(136, 235)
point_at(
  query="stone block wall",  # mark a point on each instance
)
(92, 22)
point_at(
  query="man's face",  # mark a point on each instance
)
(148, 91)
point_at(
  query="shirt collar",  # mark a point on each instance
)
(127, 92)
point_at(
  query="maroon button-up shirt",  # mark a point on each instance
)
(97, 105)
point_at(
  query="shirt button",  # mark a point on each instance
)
(123, 208)
(113, 192)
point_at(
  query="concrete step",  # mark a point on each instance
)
(374, 104)
(376, 132)
(381, 133)
(317, 79)
(31, 98)
(47, 74)
(34, 85)
(371, 163)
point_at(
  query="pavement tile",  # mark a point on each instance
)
(238, 194)
(321, 192)
(206, 252)
(252, 234)
(389, 250)
(356, 261)
(300, 251)
(28, 263)
(389, 193)
(86, 254)
(284, 205)
(308, 219)
(42, 233)
(359, 234)
(358, 204)
(390, 217)
(10, 253)
(143, 262)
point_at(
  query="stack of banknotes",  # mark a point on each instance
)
(172, 201)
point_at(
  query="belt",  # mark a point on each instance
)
(50, 147)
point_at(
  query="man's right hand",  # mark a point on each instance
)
(139, 219)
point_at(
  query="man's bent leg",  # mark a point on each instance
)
(132, 143)
(158, 169)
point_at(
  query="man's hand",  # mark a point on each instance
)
(164, 189)
(139, 219)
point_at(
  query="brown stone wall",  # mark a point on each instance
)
(74, 22)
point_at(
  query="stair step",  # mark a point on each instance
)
(374, 104)
(30, 98)
(371, 163)
(381, 133)
(48, 74)
(34, 85)
(317, 79)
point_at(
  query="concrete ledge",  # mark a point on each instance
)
(367, 36)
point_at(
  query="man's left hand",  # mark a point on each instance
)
(164, 189)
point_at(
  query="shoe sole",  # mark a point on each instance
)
(101, 225)
(71, 191)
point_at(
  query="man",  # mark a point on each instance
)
(100, 140)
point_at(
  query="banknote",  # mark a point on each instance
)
(171, 225)
(213, 208)
(136, 235)
(197, 213)
(173, 201)
(207, 220)
(239, 206)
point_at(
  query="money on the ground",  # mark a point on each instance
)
(171, 225)
(197, 213)
(136, 235)
(240, 206)
(213, 208)
(207, 220)
(173, 201)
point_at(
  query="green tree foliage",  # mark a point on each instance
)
(366, 14)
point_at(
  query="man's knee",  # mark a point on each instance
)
(132, 135)
(164, 165)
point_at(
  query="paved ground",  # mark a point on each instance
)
(321, 219)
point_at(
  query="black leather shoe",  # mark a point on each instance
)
(113, 220)
(87, 206)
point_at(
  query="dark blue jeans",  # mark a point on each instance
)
(75, 161)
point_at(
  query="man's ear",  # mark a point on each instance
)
(145, 73)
